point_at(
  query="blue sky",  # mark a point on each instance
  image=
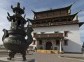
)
(39, 5)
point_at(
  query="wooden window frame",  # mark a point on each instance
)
(65, 42)
(66, 33)
(57, 42)
(40, 42)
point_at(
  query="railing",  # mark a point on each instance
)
(48, 35)
(54, 24)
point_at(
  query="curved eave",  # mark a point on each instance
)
(69, 7)
(30, 20)
(81, 23)
(54, 24)
(69, 16)
(33, 11)
(65, 8)
(69, 23)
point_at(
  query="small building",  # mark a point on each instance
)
(57, 29)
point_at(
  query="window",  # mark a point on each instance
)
(40, 42)
(57, 42)
(42, 32)
(64, 20)
(65, 42)
(34, 33)
(69, 11)
(56, 32)
(69, 19)
(66, 33)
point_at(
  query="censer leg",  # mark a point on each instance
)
(11, 55)
(24, 55)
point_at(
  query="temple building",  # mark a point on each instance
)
(57, 29)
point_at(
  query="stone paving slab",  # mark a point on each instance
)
(45, 57)
(18, 59)
(73, 55)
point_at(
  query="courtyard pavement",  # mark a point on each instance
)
(38, 57)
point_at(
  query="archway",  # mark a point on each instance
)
(48, 45)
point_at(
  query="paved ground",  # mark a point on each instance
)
(48, 57)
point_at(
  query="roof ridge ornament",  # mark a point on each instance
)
(17, 9)
(18, 5)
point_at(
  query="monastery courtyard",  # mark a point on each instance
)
(38, 57)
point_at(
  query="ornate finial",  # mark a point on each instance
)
(8, 17)
(18, 10)
(17, 16)
(8, 14)
(18, 5)
(23, 8)
(12, 6)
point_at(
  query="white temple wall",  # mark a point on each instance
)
(74, 43)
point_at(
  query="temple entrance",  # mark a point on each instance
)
(48, 46)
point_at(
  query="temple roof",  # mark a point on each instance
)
(58, 24)
(69, 16)
(52, 10)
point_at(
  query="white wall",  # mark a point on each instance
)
(74, 43)
(56, 28)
